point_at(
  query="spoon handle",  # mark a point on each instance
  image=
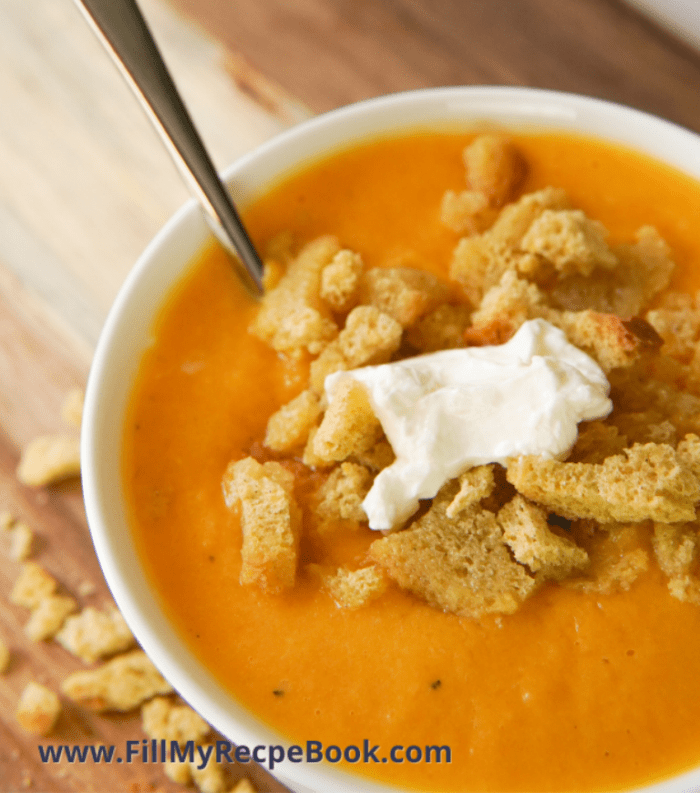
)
(122, 29)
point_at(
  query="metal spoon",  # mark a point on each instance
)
(122, 29)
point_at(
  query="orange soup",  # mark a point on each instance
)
(575, 691)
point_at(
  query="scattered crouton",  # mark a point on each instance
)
(645, 482)
(163, 719)
(5, 657)
(342, 494)
(377, 457)
(178, 771)
(340, 280)
(244, 785)
(38, 709)
(495, 167)
(688, 453)
(72, 407)
(460, 565)
(596, 441)
(270, 522)
(352, 589)
(474, 484)
(569, 241)
(675, 547)
(466, 212)
(349, 425)
(369, 337)
(32, 586)
(293, 317)
(534, 544)
(48, 459)
(210, 777)
(288, 428)
(406, 294)
(685, 588)
(21, 541)
(121, 684)
(48, 616)
(440, 329)
(94, 634)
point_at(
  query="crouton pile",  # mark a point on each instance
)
(625, 496)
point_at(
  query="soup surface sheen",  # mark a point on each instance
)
(574, 692)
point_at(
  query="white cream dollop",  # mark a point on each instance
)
(448, 411)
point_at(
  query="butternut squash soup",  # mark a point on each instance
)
(537, 613)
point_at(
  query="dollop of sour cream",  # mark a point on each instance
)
(448, 411)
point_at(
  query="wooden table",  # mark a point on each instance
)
(85, 183)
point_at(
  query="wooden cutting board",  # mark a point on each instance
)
(85, 183)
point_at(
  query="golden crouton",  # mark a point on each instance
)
(38, 709)
(406, 294)
(610, 341)
(440, 329)
(648, 262)
(123, 683)
(460, 565)
(596, 441)
(178, 771)
(534, 544)
(377, 457)
(479, 262)
(5, 657)
(21, 541)
(467, 212)
(163, 719)
(48, 459)
(72, 407)
(292, 316)
(352, 589)
(288, 428)
(503, 309)
(32, 586)
(688, 452)
(244, 785)
(270, 521)
(675, 547)
(369, 337)
(349, 425)
(474, 484)
(342, 494)
(210, 777)
(48, 616)
(340, 280)
(685, 588)
(645, 482)
(569, 241)
(94, 634)
(608, 575)
(494, 167)
(677, 321)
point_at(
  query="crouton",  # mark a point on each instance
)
(688, 452)
(5, 657)
(120, 684)
(163, 719)
(342, 494)
(379, 456)
(21, 541)
(474, 484)
(244, 785)
(677, 321)
(48, 616)
(349, 425)
(440, 329)
(609, 340)
(406, 294)
(340, 280)
(466, 212)
(208, 778)
(352, 589)
(178, 771)
(288, 428)
(534, 544)
(72, 407)
(460, 565)
(293, 317)
(94, 634)
(675, 547)
(645, 482)
(608, 575)
(38, 709)
(48, 459)
(596, 441)
(494, 166)
(569, 241)
(270, 521)
(32, 586)
(369, 337)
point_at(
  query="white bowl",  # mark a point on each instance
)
(127, 332)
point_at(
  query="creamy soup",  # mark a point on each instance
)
(575, 691)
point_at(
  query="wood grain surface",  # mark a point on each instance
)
(85, 183)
